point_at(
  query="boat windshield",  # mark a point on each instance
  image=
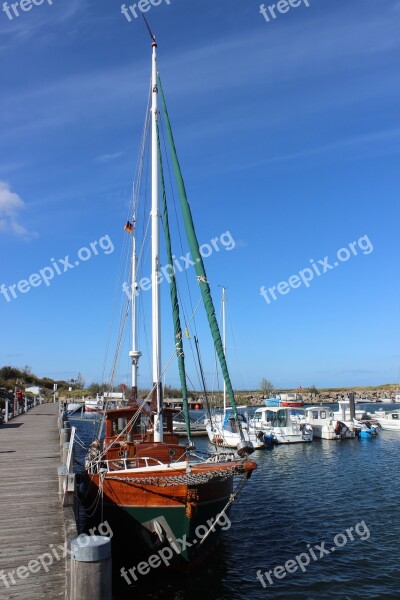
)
(277, 418)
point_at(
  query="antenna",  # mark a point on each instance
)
(153, 37)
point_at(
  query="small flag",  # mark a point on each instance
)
(187, 333)
(128, 227)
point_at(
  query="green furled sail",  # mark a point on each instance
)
(174, 297)
(197, 258)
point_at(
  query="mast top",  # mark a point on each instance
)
(153, 37)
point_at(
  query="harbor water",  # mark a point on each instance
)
(316, 521)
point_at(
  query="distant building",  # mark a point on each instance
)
(35, 390)
(114, 396)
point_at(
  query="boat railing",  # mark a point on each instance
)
(124, 464)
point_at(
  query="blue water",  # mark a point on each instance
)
(301, 494)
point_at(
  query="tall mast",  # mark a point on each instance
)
(155, 256)
(135, 354)
(224, 334)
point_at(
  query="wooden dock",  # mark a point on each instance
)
(31, 518)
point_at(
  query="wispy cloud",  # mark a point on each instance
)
(11, 205)
(21, 30)
(105, 158)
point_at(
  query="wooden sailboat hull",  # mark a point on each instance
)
(147, 518)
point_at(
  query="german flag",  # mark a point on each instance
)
(128, 227)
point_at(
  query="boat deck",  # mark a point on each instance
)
(31, 518)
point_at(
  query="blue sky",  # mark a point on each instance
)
(288, 135)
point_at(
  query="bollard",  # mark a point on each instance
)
(26, 404)
(62, 420)
(7, 411)
(34, 400)
(65, 436)
(62, 474)
(91, 568)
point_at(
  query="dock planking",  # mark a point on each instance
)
(31, 518)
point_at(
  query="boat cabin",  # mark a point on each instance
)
(273, 417)
(318, 415)
(129, 438)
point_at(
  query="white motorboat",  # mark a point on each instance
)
(197, 426)
(94, 405)
(397, 398)
(389, 420)
(361, 424)
(73, 407)
(281, 425)
(326, 426)
(223, 429)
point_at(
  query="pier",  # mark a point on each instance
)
(33, 527)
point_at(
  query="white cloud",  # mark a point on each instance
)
(11, 206)
(104, 158)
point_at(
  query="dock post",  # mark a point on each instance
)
(62, 474)
(69, 496)
(65, 436)
(62, 419)
(65, 451)
(91, 568)
(352, 406)
(7, 411)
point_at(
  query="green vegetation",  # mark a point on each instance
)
(13, 376)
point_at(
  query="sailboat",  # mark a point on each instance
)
(153, 491)
(224, 429)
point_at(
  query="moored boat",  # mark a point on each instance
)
(96, 405)
(325, 426)
(74, 407)
(197, 426)
(225, 430)
(279, 425)
(361, 422)
(272, 402)
(389, 420)
(294, 400)
(153, 491)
